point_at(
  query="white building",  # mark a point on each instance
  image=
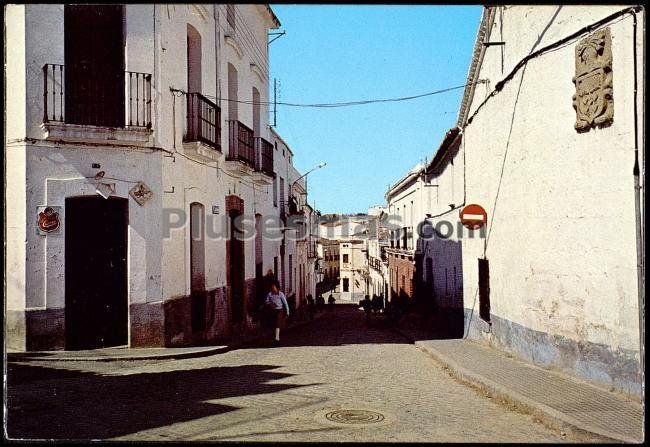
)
(160, 108)
(377, 258)
(354, 278)
(550, 139)
(547, 143)
(406, 204)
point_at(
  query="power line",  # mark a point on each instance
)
(343, 104)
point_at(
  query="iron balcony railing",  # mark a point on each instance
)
(283, 208)
(203, 121)
(81, 96)
(312, 251)
(241, 142)
(264, 152)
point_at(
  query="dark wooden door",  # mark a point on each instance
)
(94, 60)
(484, 289)
(197, 267)
(96, 302)
(237, 263)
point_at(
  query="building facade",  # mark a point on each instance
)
(331, 260)
(552, 154)
(141, 158)
(405, 207)
(377, 257)
(354, 281)
(547, 142)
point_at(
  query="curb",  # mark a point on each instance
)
(35, 356)
(550, 416)
(29, 356)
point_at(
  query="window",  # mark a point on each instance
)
(233, 91)
(281, 192)
(346, 284)
(291, 271)
(275, 191)
(256, 112)
(193, 60)
(345, 259)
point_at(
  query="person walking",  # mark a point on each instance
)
(367, 307)
(331, 301)
(311, 306)
(320, 303)
(376, 304)
(277, 304)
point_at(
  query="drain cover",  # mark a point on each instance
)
(354, 416)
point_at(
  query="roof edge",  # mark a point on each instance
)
(483, 33)
(445, 145)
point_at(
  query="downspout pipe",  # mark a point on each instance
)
(640, 255)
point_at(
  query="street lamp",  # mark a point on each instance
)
(320, 165)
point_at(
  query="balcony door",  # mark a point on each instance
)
(94, 60)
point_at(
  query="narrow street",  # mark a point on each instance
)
(267, 393)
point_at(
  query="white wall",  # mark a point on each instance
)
(15, 156)
(561, 230)
(46, 172)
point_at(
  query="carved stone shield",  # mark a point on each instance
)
(593, 100)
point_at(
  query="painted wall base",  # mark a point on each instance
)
(615, 369)
(167, 324)
(35, 330)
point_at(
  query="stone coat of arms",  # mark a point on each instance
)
(593, 100)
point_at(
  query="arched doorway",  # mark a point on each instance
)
(236, 259)
(197, 266)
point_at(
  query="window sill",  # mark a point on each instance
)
(131, 136)
(201, 152)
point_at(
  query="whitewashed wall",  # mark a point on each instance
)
(46, 172)
(561, 234)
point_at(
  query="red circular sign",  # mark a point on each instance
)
(473, 216)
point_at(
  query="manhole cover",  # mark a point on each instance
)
(354, 416)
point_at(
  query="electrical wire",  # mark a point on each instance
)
(551, 47)
(339, 104)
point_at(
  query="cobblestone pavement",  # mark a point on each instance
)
(266, 393)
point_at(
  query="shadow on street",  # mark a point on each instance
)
(346, 324)
(50, 403)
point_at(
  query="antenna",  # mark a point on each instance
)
(275, 102)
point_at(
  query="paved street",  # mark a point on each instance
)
(266, 393)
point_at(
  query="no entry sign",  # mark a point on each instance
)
(473, 216)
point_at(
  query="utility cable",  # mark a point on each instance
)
(339, 104)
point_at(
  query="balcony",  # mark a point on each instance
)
(81, 105)
(264, 162)
(241, 142)
(283, 208)
(202, 138)
(312, 249)
(264, 151)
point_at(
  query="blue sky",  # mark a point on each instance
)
(334, 53)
